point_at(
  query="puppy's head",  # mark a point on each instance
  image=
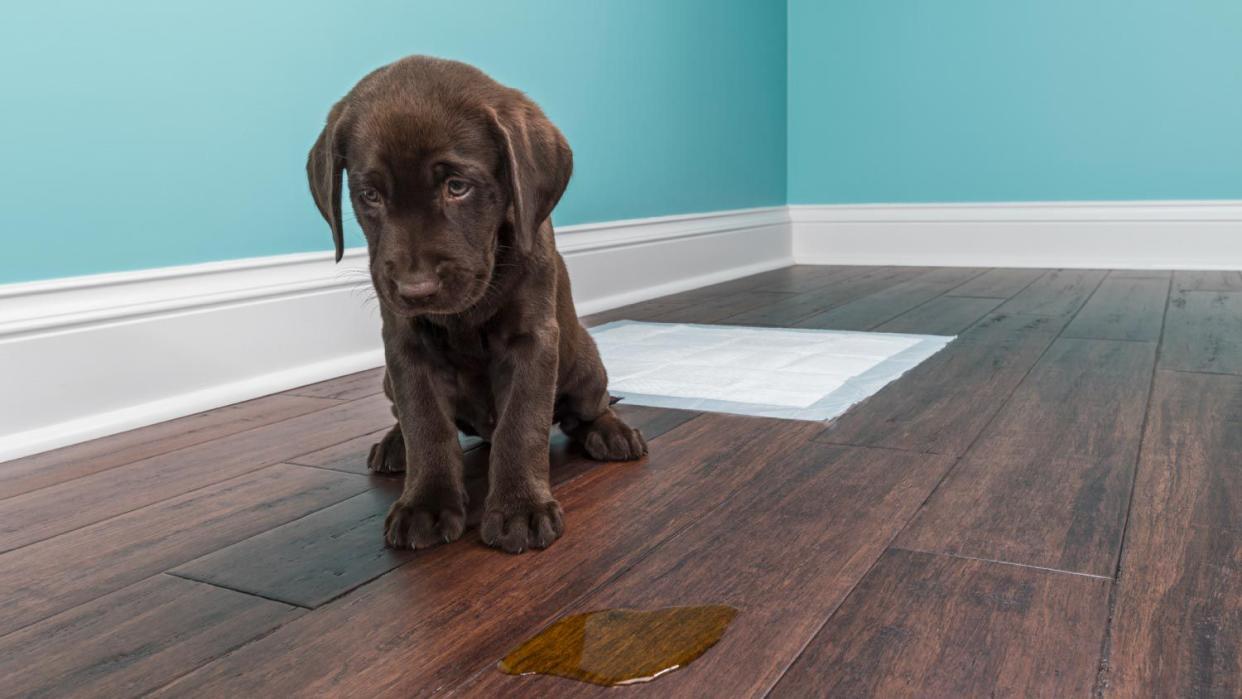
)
(445, 167)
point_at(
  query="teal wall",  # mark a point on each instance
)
(1010, 100)
(145, 133)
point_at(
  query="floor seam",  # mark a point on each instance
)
(794, 323)
(164, 500)
(249, 593)
(829, 442)
(1106, 642)
(182, 448)
(1004, 299)
(338, 401)
(325, 467)
(845, 597)
(109, 592)
(997, 561)
(1108, 339)
(948, 472)
(915, 307)
(868, 295)
(225, 652)
(1200, 373)
(291, 392)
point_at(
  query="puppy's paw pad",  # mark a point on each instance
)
(610, 439)
(388, 454)
(420, 524)
(521, 526)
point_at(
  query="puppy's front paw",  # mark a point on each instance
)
(388, 454)
(422, 520)
(517, 526)
(610, 439)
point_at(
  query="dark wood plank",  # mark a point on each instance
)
(350, 387)
(1058, 293)
(1177, 629)
(803, 278)
(313, 560)
(133, 640)
(921, 625)
(1189, 466)
(653, 422)
(875, 309)
(717, 309)
(793, 279)
(1141, 274)
(799, 306)
(941, 405)
(412, 639)
(351, 455)
(1203, 332)
(999, 283)
(787, 280)
(752, 282)
(1123, 309)
(51, 576)
(784, 554)
(1177, 623)
(946, 315)
(44, 513)
(639, 311)
(320, 557)
(1207, 280)
(60, 465)
(1048, 482)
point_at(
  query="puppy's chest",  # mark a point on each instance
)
(468, 357)
(465, 352)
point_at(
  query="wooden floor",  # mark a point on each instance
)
(1051, 506)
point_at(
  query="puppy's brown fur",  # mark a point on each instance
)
(453, 177)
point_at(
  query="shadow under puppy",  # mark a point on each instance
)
(453, 178)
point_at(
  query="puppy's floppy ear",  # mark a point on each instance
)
(537, 163)
(323, 169)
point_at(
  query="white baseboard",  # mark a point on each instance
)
(614, 265)
(1114, 235)
(89, 356)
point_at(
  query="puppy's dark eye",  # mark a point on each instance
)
(456, 188)
(369, 195)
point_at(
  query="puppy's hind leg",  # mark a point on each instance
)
(608, 438)
(587, 416)
(388, 454)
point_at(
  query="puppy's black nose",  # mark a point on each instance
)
(417, 288)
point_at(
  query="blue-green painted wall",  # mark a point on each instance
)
(1009, 100)
(145, 133)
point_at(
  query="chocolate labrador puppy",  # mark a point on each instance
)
(453, 177)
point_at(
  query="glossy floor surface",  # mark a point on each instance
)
(1050, 506)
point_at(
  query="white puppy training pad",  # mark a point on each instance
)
(770, 372)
